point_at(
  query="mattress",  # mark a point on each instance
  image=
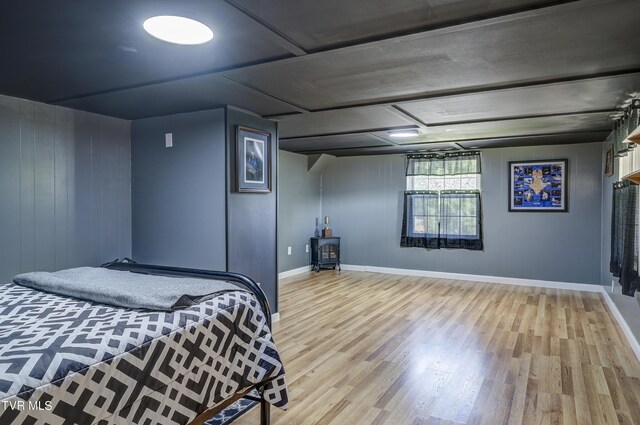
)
(66, 361)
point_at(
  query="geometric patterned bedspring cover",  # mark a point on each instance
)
(64, 361)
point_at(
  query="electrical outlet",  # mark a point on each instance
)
(288, 250)
(168, 140)
(306, 248)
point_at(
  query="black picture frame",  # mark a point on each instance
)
(538, 186)
(609, 162)
(253, 160)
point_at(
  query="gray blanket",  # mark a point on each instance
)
(125, 289)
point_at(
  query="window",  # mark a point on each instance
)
(442, 207)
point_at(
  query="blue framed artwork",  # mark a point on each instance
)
(253, 160)
(538, 186)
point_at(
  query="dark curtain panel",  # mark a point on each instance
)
(460, 219)
(420, 226)
(624, 240)
(617, 220)
(425, 165)
(448, 164)
(462, 163)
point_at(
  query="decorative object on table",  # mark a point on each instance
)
(608, 162)
(317, 231)
(326, 230)
(538, 186)
(325, 253)
(253, 160)
(233, 412)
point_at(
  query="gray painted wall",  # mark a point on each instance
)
(252, 244)
(64, 188)
(179, 192)
(363, 198)
(300, 205)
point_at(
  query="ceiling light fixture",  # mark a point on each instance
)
(404, 134)
(178, 30)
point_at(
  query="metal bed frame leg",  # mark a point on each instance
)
(265, 412)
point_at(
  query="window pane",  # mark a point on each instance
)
(450, 206)
(469, 207)
(419, 224)
(448, 211)
(451, 226)
(468, 227)
(452, 183)
(469, 182)
(433, 227)
(436, 183)
(433, 209)
(418, 183)
(459, 182)
(462, 163)
(423, 214)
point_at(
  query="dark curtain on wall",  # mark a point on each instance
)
(624, 236)
(420, 223)
(460, 219)
(442, 219)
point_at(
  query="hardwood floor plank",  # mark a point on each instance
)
(366, 348)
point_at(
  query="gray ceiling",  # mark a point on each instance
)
(339, 75)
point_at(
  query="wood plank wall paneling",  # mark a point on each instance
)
(179, 208)
(252, 241)
(64, 187)
(366, 192)
(367, 348)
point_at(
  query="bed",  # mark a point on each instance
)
(68, 361)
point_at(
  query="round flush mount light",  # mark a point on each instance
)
(178, 30)
(404, 134)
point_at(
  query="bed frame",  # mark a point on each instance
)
(129, 265)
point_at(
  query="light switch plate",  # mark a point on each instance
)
(168, 140)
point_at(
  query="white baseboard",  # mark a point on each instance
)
(294, 272)
(635, 345)
(275, 317)
(355, 268)
(477, 278)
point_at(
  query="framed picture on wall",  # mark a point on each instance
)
(253, 160)
(538, 186)
(608, 162)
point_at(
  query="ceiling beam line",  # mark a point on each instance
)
(476, 90)
(283, 40)
(521, 11)
(525, 117)
(398, 111)
(348, 133)
(216, 72)
(266, 95)
(382, 139)
(457, 25)
(411, 146)
(447, 124)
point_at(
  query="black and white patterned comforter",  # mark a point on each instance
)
(65, 361)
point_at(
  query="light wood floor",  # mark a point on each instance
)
(364, 348)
